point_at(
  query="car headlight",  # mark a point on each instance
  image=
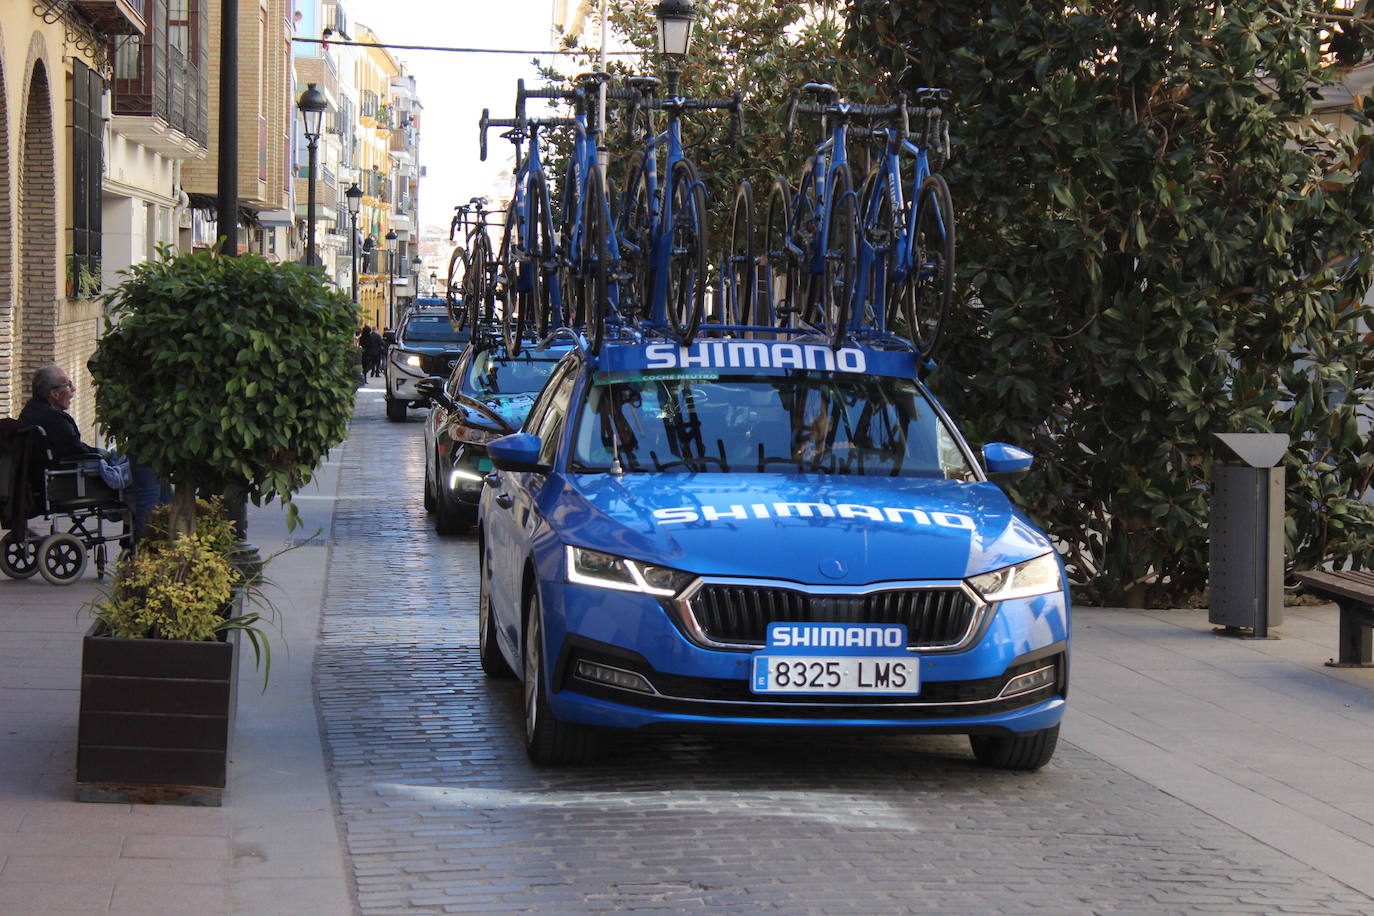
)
(413, 361)
(406, 358)
(603, 570)
(1039, 576)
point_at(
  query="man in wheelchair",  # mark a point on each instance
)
(47, 470)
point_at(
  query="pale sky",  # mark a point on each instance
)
(454, 88)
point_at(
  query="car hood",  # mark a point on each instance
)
(845, 530)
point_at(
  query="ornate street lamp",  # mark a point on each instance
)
(675, 18)
(433, 283)
(415, 264)
(312, 105)
(391, 273)
(354, 197)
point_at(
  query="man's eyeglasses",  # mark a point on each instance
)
(67, 384)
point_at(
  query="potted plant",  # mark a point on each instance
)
(224, 375)
(160, 667)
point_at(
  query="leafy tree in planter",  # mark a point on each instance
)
(226, 373)
(1155, 244)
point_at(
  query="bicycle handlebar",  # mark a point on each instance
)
(488, 121)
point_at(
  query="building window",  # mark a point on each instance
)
(88, 90)
(181, 27)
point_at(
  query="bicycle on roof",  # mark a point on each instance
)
(661, 227)
(462, 293)
(910, 247)
(843, 263)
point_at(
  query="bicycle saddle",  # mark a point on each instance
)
(644, 83)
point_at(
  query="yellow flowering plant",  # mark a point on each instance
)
(181, 588)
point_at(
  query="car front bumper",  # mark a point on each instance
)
(683, 686)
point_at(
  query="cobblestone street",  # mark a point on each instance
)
(441, 812)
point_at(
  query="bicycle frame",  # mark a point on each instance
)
(660, 204)
(583, 160)
(831, 154)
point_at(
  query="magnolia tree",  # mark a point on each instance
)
(1156, 243)
(226, 374)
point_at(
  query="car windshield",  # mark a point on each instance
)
(493, 373)
(827, 423)
(430, 328)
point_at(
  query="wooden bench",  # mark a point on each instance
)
(1353, 592)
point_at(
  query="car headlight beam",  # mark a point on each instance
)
(604, 570)
(1037, 576)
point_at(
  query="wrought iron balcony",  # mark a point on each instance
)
(114, 17)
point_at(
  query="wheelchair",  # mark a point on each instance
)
(79, 510)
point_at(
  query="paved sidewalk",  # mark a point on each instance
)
(272, 849)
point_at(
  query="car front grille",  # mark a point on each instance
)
(440, 364)
(739, 614)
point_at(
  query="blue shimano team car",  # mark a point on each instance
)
(765, 532)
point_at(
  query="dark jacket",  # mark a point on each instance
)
(64, 438)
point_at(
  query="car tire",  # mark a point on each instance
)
(494, 664)
(549, 741)
(395, 410)
(1025, 752)
(429, 495)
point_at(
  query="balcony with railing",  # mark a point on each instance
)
(115, 17)
(154, 80)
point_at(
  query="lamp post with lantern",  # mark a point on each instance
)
(354, 197)
(312, 106)
(391, 275)
(675, 19)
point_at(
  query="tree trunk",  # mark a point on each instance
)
(183, 513)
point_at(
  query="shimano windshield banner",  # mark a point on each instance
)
(735, 357)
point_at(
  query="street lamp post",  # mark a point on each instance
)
(391, 274)
(312, 105)
(369, 246)
(433, 283)
(415, 264)
(354, 197)
(675, 18)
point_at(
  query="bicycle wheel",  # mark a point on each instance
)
(801, 285)
(539, 257)
(933, 263)
(457, 276)
(741, 268)
(841, 263)
(594, 267)
(513, 318)
(771, 303)
(687, 256)
(879, 230)
(568, 243)
(634, 231)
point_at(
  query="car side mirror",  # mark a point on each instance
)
(433, 388)
(389, 337)
(1006, 462)
(517, 452)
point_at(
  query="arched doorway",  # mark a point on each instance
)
(35, 340)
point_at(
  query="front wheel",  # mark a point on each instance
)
(62, 558)
(841, 260)
(18, 557)
(493, 663)
(740, 270)
(453, 299)
(932, 280)
(594, 261)
(1025, 752)
(395, 410)
(772, 302)
(548, 740)
(687, 255)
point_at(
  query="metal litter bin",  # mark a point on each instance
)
(1245, 557)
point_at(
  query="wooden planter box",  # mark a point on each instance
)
(157, 719)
